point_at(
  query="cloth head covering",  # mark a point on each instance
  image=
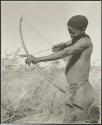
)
(78, 21)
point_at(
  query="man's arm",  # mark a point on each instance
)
(68, 43)
(77, 47)
(61, 46)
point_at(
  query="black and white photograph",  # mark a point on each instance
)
(50, 62)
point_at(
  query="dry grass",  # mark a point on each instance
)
(27, 95)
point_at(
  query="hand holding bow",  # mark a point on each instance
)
(31, 59)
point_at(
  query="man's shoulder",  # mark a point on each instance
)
(86, 40)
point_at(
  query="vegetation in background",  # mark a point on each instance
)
(25, 92)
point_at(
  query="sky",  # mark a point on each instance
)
(49, 18)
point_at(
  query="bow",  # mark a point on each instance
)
(36, 66)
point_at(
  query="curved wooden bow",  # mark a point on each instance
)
(21, 36)
(36, 66)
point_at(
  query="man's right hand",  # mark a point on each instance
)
(58, 47)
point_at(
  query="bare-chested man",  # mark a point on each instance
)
(79, 50)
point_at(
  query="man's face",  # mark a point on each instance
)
(74, 32)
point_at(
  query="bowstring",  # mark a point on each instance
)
(36, 66)
(37, 32)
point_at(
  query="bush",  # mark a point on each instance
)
(25, 91)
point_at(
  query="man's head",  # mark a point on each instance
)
(77, 25)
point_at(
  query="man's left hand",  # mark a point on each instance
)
(31, 59)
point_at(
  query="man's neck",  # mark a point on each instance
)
(79, 37)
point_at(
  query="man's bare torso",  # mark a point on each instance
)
(78, 65)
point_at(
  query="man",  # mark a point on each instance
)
(79, 50)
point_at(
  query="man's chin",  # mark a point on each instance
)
(72, 37)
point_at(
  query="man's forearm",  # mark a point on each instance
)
(68, 43)
(54, 56)
(61, 46)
